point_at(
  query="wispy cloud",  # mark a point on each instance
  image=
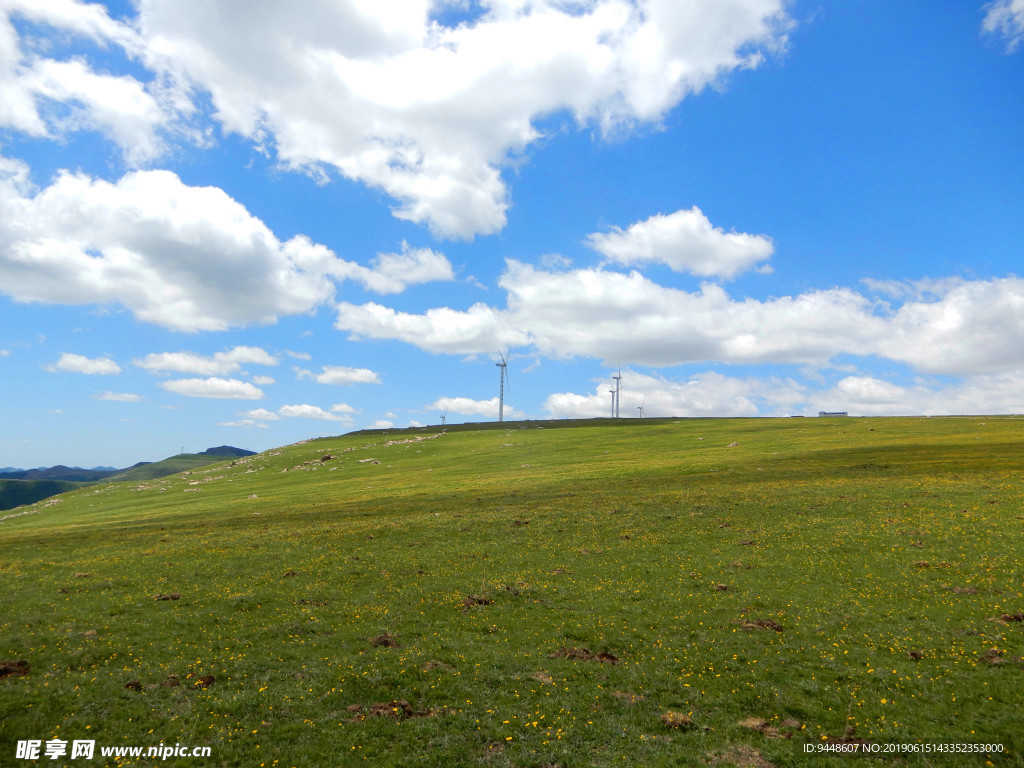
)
(119, 397)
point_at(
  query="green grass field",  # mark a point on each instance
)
(641, 593)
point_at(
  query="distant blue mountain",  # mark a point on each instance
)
(77, 474)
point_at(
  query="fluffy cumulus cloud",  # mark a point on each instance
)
(187, 258)
(46, 97)
(215, 388)
(687, 242)
(340, 412)
(218, 364)
(468, 407)
(342, 375)
(715, 394)
(964, 327)
(260, 416)
(479, 330)
(394, 272)
(1006, 18)
(388, 96)
(72, 363)
(705, 394)
(956, 327)
(869, 396)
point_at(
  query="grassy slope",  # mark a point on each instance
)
(15, 493)
(610, 537)
(183, 462)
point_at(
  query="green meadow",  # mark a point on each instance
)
(709, 592)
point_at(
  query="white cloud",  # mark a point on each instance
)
(1005, 17)
(983, 394)
(687, 242)
(260, 414)
(381, 424)
(968, 327)
(299, 355)
(219, 363)
(469, 407)
(705, 394)
(90, 20)
(304, 411)
(342, 375)
(186, 258)
(120, 106)
(119, 397)
(225, 389)
(479, 330)
(381, 93)
(394, 272)
(72, 363)
(117, 106)
(263, 381)
(627, 317)
(242, 423)
(386, 96)
(954, 327)
(4, 352)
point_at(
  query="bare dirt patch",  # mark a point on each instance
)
(14, 668)
(740, 755)
(171, 596)
(472, 601)
(677, 720)
(399, 709)
(385, 640)
(760, 624)
(584, 654)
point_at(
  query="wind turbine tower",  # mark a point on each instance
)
(612, 391)
(501, 386)
(618, 387)
(641, 406)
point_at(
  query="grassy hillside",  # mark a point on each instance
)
(656, 592)
(15, 493)
(183, 462)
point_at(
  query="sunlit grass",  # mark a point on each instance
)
(881, 549)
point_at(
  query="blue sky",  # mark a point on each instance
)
(329, 216)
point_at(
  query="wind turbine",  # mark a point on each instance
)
(444, 416)
(641, 406)
(501, 385)
(612, 391)
(618, 382)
